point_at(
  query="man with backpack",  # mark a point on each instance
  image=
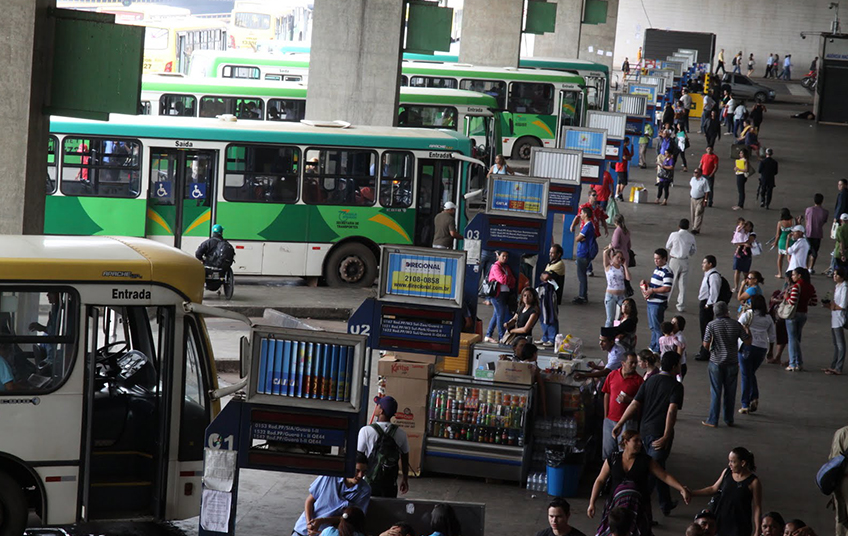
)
(839, 448)
(385, 445)
(714, 288)
(216, 252)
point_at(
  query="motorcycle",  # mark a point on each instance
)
(809, 80)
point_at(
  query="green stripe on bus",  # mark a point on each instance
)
(86, 216)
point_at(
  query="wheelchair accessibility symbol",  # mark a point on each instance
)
(162, 190)
(197, 191)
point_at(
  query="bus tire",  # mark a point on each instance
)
(351, 265)
(523, 146)
(13, 507)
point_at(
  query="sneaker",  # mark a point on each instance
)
(790, 369)
(579, 301)
(743, 411)
(548, 344)
(490, 340)
(540, 341)
(754, 404)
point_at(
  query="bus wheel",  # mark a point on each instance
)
(351, 265)
(522, 148)
(13, 507)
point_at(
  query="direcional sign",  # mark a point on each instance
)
(422, 275)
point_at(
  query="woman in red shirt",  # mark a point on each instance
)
(802, 294)
(502, 275)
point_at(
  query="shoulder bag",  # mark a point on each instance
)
(786, 310)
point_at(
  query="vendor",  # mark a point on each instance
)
(329, 496)
(615, 355)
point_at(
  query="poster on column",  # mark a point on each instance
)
(523, 197)
(423, 276)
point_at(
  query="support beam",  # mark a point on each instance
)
(491, 32)
(574, 38)
(354, 69)
(27, 52)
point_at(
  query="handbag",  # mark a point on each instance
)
(833, 229)
(508, 339)
(628, 289)
(786, 310)
(756, 248)
(664, 174)
(631, 261)
(490, 288)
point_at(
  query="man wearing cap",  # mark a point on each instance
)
(767, 171)
(615, 356)
(445, 227)
(707, 521)
(371, 442)
(722, 340)
(799, 249)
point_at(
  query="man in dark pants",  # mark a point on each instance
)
(767, 171)
(707, 296)
(659, 398)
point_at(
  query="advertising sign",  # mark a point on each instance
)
(510, 195)
(649, 90)
(592, 141)
(422, 275)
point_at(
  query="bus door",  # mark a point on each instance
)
(129, 357)
(570, 110)
(180, 194)
(437, 184)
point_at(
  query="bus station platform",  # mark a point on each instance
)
(790, 435)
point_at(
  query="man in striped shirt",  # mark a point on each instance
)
(722, 340)
(656, 294)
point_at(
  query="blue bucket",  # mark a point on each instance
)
(564, 480)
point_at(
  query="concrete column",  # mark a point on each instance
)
(491, 32)
(573, 39)
(26, 51)
(354, 69)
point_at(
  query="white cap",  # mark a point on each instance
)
(449, 205)
(798, 229)
(844, 217)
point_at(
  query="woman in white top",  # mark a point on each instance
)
(760, 325)
(837, 319)
(500, 167)
(617, 273)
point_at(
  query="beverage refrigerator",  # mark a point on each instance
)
(478, 428)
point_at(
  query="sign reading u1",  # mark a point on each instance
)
(422, 276)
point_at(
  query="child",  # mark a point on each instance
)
(679, 324)
(648, 361)
(668, 343)
(550, 312)
(529, 354)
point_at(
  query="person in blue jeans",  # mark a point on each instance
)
(587, 248)
(656, 294)
(763, 335)
(722, 338)
(501, 274)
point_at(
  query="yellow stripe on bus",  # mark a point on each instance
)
(152, 215)
(203, 218)
(382, 219)
(544, 127)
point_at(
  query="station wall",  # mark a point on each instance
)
(761, 27)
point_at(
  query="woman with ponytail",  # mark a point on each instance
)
(739, 506)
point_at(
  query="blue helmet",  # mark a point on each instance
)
(218, 229)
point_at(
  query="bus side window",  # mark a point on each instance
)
(340, 177)
(52, 165)
(214, 106)
(495, 88)
(531, 98)
(286, 109)
(261, 173)
(178, 105)
(248, 108)
(37, 339)
(195, 406)
(99, 167)
(396, 179)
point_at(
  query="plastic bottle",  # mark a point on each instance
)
(558, 342)
(545, 482)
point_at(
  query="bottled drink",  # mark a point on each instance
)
(558, 342)
(544, 482)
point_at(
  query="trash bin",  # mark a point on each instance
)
(563, 473)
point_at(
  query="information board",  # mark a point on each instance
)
(425, 276)
(649, 90)
(564, 198)
(592, 141)
(510, 195)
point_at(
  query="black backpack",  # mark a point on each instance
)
(222, 256)
(383, 461)
(724, 292)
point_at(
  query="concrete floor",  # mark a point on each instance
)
(790, 434)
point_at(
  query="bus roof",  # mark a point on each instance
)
(243, 57)
(263, 88)
(477, 71)
(563, 63)
(246, 131)
(106, 259)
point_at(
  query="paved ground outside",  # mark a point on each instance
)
(790, 435)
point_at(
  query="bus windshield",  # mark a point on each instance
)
(156, 38)
(253, 21)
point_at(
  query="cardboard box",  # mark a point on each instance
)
(413, 358)
(391, 367)
(469, 338)
(411, 418)
(515, 372)
(416, 448)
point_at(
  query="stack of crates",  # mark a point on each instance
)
(461, 363)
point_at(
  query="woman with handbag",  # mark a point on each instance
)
(621, 241)
(743, 170)
(780, 327)
(617, 273)
(665, 174)
(799, 297)
(739, 504)
(763, 334)
(502, 282)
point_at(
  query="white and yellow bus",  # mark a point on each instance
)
(107, 380)
(262, 21)
(168, 44)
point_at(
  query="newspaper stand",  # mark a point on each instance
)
(306, 401)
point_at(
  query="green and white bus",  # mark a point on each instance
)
(294, 199)
(537, 103)
(474, 114)
(595, 74)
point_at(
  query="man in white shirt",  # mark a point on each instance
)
(708, 293)
(686, 104)
(798, 251)
(385, 483)
(709, 104)
(680, 246)
(699, 196)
